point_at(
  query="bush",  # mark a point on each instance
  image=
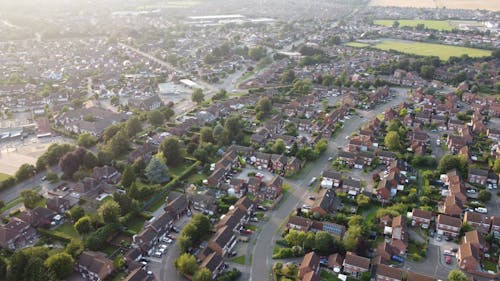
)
(97, 240)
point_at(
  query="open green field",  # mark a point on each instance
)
(357, 44)
(444, 52)
(445, 25)
(449, 4)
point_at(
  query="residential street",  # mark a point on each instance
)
(263, 250)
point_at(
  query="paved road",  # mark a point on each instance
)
(263, 250)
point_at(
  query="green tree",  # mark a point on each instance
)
(234, 128)
(128, 176)
(206, 135)
(302, 87)
(185, 243)
(395, 24)
(109, 211)
(450, 162)
(186, 264)
(156, 171)
(202, 224)
(119, 143)
(30, 198)
(171, 149)
(61, 264)
(456, 275)
(198, 96)
(279, 146)
(218, 133)
(156, 118)
(3, 269)
(74, 247)
(24, 172)
(86, 140)
(392, 141)
(484, 196)
(324, 243)
(134, 126)
(36, 270)
(83, 225)
(127, 204)
(496, 166)
(257, 53)
(362, 200)
(90, 160)
(288, 76)
(203, 274)
(76, 212)
(264, 107)
(427, 71)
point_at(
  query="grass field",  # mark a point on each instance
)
(357, 44)
(444, 52)
(431, 24)
(4, 177)
(449, 4)
(238, 260)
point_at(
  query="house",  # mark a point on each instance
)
(478, 176)
(455, 143)
(495, 226)
(334, 177)
(334, 229)
(480, 222)
(140, 274)
(146, 240)
(355, 265)
(148, 103)
(299, 223)
(386, 157)
(58, 204)
(39, 217)
(223, 241)
(217, 177)
(246, 205)
(214, 263)
(448, 226)
(346, 158)
(233, 219)
(310, 263)
(474, 237)
(107, 174)
(327, 202)
(452, 206)
(387, 273)
(421, 218)
(351, 186)
(399, 231)
(132, 258)
(177, 204)
(469, 258)
(274, 188)
(94, 266)
(16, 234)
(493, 133)
(335, 262)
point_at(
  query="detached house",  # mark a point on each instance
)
(16, 234)
(94, 266)
(327, 203)
(387, 273)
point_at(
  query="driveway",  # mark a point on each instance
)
(261, 266)
(433, 265)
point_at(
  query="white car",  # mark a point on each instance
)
(305, 206)
(481, 210)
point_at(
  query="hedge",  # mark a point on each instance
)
(55, 235)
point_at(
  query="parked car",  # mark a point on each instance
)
(481, 210)
(232, 254)
(312, 181)
(447, 259)
(254, 219)
(447, 252)
(262, 208)
(439, 237)
(312, 198)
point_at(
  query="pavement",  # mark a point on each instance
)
(263, 250)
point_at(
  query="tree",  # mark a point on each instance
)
(279, 146)
(234, 128)
(257, 53)
(324, 243)
(83, 225)
(206, 135)
(24, 172)
(395, 24)
(110, 132)
(156, 118)
(76, 212)
(291, 129)
(302, 87)
(220, 95)
(30, 198)
(392, 141)
(128, 176)
(450, 162)
(484, 196)
(127, 204)
(74, 248)
(185, 243)
(186, 264)
(109, 212)
(218, 133)
(86, 140)
(3, 269)
(134, 126)
(36, 270)
(70, 163)
(156, 171)
(202, 224)
(203, 274)
(427, 71)
(457, 275)
(496, 166)
(288, 76)
(171, 149)
(198, 96)
(90, 160)
(352, 236)
(264, 106)
(362, 200)
(61, 264)
(119, 143)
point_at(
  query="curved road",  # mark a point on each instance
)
(263, 250)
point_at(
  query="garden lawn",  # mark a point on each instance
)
(238, 260)
(135, 224)
(177, 170)
(489, 265)
(444, 52)
(4, 177)
(328, 276)
(68, 229)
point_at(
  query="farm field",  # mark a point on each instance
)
(449, 4)
(444, 52)
(444, 25)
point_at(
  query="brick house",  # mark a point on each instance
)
(421, 218)
(355, 265)
(469, 258)
(478, 176)
(310, 263)
(448, 226)
(474, 237)
(94, 266)
(299, 223)
(223, 241)
(387, 273)
(478, 221)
